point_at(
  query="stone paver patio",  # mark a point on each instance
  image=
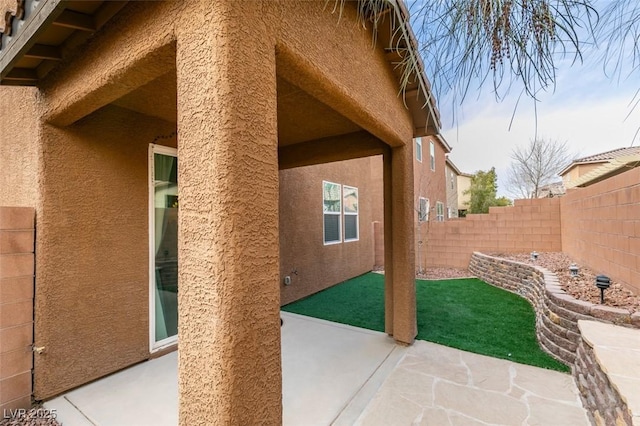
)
(437, 385)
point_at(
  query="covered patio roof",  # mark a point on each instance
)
(38, 35)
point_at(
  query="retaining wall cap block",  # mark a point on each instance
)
(608, 313)
(566, 301)
(635, 319)
(554, 288)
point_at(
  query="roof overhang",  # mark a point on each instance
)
(37, 34)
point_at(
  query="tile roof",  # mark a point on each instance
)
(609, 155)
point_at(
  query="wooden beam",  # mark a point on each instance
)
(75, 20)
(41, 51)
(26, 75)
(345, 147)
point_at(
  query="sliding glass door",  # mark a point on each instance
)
(163, 246)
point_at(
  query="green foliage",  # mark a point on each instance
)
(466, 314)
(483, 191)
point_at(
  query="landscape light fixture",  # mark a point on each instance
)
(534, 255)
(574, 270)
(602, 282)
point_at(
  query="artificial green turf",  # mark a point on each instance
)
(467, 314)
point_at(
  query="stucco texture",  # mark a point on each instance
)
(226, 59)
(312, 265)
(92, 284)
(18, 147)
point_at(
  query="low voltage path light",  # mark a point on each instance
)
(534, 255)
(574, 270)
(602, 282)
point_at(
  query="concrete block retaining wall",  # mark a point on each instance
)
(599, 397)
(557, 316)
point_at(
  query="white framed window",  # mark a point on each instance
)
(350, 203)
(453, 180)
(432, 153)
(163, 247)
(418, 149)
(332, 210)
(423, 209)
(439, 211)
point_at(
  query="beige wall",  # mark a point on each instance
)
(451, 182)
(92, 241)
(92, 282)
(579, 170)
(318, 266)
(601, 227)
(464, 184)
(528, 225)
(18, 147)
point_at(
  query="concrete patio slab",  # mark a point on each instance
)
(335, 374)
(329, 373)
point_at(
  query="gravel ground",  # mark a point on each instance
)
(582, 287)
(35, 417)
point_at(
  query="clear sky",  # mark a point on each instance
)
(589, 110)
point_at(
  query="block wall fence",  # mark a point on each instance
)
(598, 226)
(16, 306)
(528, 225)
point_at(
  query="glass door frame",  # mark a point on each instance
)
(155, 346)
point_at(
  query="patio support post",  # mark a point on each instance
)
(400, 291)
(229, 299)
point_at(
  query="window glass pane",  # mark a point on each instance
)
(332, 197)
(432, 152)
(351, 227)
(419, 149)
(350, 199)
(331, 228)
(165, 202)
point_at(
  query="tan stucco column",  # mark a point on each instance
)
(400, 288)
(229, 295)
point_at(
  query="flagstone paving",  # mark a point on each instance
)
(437, 385)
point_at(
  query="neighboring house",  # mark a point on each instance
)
(431, 179)
(430, 189)
(139, 110)
(594, 168)
(451, 175)
(555, 189)
(464, 198)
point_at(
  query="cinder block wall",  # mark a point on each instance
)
(528, 225)
(16, 306)
(601, 227)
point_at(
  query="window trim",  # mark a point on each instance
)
(439, 211)
(432, 154)
(423, 217)
(418, 144)
(338, 213)
(356, 214)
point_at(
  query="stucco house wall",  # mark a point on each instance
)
(92, 253)
(430, 184)
(311, 264)
(209, 72)
(451, 177)
(18, 147)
